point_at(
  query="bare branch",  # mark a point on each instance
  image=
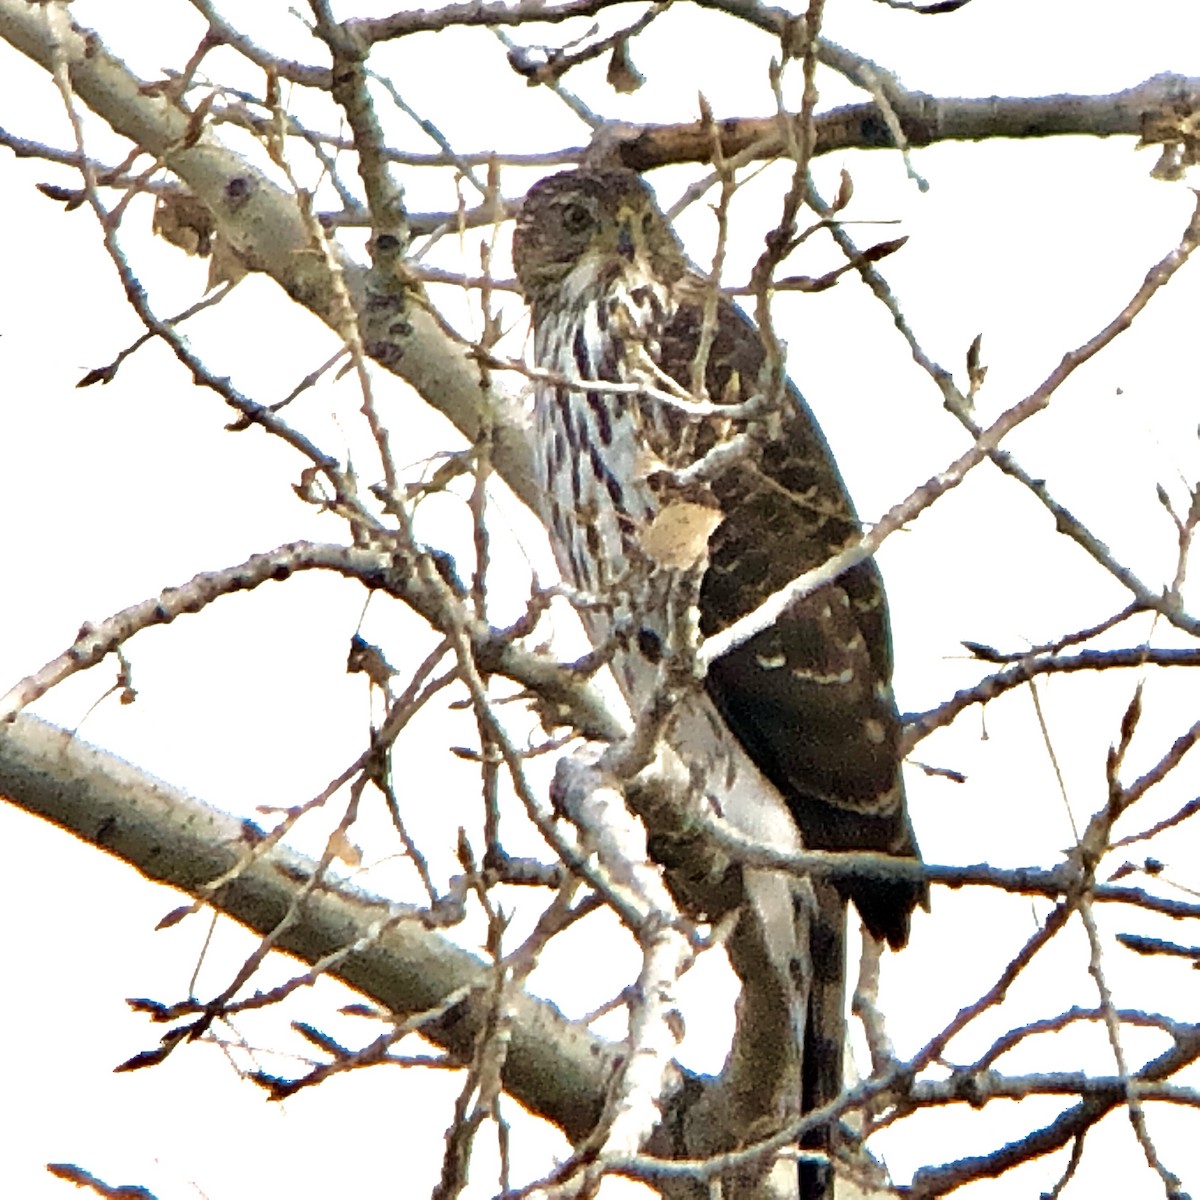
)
(920, 725)
(556, 1068)
(557, 686)
(924, 120)
(986, 441)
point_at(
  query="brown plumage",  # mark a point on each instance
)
(615, 300)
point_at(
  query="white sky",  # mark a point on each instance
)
(113, 493)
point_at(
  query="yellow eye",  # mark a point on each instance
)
(576, 218)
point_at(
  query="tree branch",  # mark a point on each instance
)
(555, 1068)
(264, 226)
(557, 686)
(1152, 111)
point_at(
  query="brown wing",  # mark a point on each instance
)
(810, 698)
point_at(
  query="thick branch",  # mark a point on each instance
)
(554, 1068)
(263, 224)
(1142, 111)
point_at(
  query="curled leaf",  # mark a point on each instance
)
(622, 75)
(845, 191)
(678, 535)
(185, 222)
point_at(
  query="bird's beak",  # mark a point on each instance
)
(626, 245)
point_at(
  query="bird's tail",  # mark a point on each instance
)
(822, 1070)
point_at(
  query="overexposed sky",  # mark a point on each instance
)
(112, 493)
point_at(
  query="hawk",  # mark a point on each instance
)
(808, 701)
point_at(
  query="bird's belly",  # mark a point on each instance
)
(598, 504)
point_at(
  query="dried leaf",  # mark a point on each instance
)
(976, 371)
(309, 488)
(733, 389)
(186, 222)
(226, 266)
(678, 535)
(845, 191)
(622, 75)
(343, 848)
(368, 660)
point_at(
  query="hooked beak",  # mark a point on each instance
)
(626, 247)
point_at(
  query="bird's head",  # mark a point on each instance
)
(602, 223)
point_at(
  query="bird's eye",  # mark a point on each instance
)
(647, 222)
(576, 218)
